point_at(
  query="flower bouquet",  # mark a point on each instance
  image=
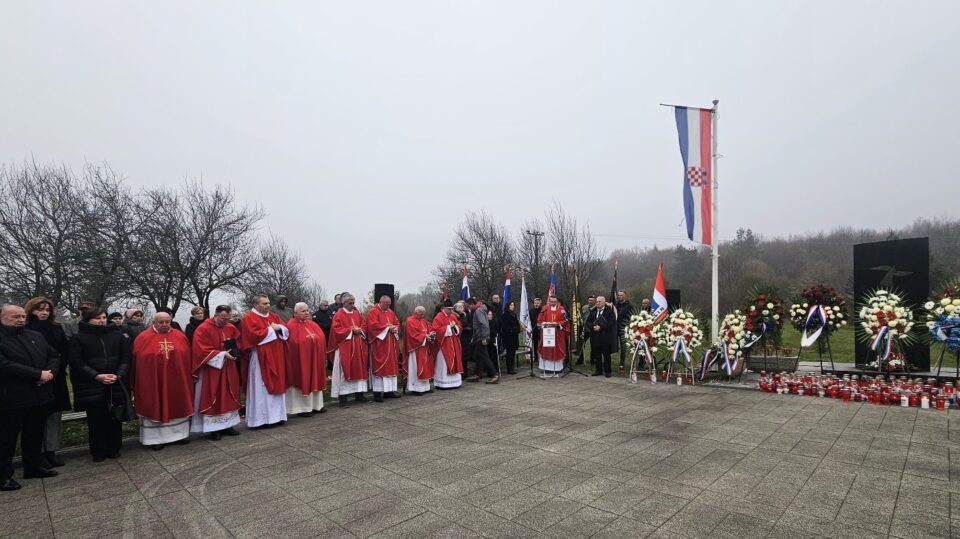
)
(886, 323)
(764, 315)
(943, 316)
(640, 335)
(817, 311)
(680, 333)
(734, 340)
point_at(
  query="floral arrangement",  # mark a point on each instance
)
(764, 313)
(886, 323)
(824, 296)
(737, 339)
(734, 334)
(639, 328)
(682, 327)
(943, 316)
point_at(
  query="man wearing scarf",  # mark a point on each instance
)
(383, 334)
(306, 364)
(217, 392)
(417, 337)
(449, 366)
(263, 339)
(348, 344)
(553, 319)
(162, 383)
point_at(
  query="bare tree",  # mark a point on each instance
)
(572, 250)
(531, 255)
(155, 267)
(279, 270)
(221, 234)
(109, 219)
(485, 247)
(39, 227)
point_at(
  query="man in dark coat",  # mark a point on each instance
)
(624, 312)
(602, 325)
(324, 316)
(495, 309)
(27, 365)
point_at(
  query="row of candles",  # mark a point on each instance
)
(895, 391)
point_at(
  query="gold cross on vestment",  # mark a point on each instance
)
(310, 334)
(165, 348)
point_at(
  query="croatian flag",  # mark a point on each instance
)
(658, 306)
(693, 126)
(506, 292)
(464, 288)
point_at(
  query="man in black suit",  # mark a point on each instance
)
(602, 326)
(27, 365)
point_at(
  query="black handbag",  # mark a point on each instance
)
(119, 406)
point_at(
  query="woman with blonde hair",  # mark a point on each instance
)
(42, 318)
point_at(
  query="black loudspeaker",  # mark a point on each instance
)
(383, 289)
(673, 299)
(900, 265)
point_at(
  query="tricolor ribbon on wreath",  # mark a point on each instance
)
(763, 329)
(651, 362)
(816, 311)
(681, 348)
(712, 356)
(947, 330)
(878, 342)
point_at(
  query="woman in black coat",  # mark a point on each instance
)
(99, 358)
(42, 318)
(197, 317)
(510, 335)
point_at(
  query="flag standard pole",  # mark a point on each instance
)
(715, 255)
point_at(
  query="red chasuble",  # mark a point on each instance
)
(450, 346)
(272, 357)
(415, 340)
(162, 385)
(558, 352)
(383, 353)
(307, 357)
(353, 351)
(220, 392)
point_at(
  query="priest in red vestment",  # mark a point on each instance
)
(306, 364)
(417, 338)
(348, 344)
(216, 400)
(383, 334)
(449, 361)
(263, 341)
(554, 328)
(162, 383)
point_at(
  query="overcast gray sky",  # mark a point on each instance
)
(318, 109)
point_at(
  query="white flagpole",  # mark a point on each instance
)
(715, 303)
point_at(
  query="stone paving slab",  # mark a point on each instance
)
(577, 457)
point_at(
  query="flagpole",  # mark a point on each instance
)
(715, 284)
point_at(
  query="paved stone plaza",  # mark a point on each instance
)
(572, 457)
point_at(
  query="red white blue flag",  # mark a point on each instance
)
(552, 291)
(506, 290)
(694, 128)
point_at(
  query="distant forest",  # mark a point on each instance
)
(790, 264)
